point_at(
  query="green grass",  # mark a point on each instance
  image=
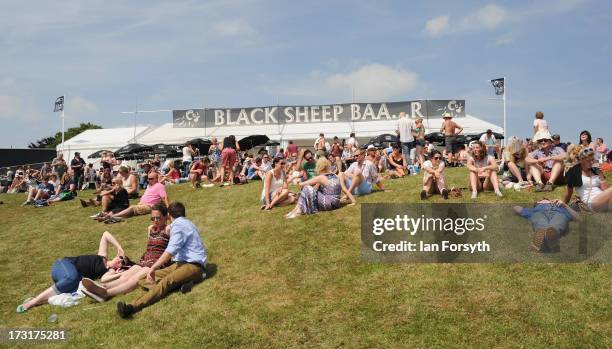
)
(302, 283)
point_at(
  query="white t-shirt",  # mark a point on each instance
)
(429, 164)
(489, 142)
(591, 187)
(405, 126)
(187, 157)
(541, 125)
(353, 142)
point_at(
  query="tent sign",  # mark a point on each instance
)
(331, 113)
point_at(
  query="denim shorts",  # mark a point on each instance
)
(65, 276)
(364, 187)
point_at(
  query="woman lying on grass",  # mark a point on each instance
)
(116, 283)
(68, 271)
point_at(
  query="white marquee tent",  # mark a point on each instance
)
(304, 134)
(91, 141)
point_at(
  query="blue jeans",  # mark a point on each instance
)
(186, 168)
(549, 219)
(65, 276)
(406, 148)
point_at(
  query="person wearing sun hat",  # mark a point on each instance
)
(546, 162)
(589, 182)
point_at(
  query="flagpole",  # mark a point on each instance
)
(505, 90)
(63, 118)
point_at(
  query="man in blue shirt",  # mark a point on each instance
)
(187, 251)
(550, 220)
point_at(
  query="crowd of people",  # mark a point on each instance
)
(327, 177)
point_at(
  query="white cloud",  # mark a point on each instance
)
(237, 27)
(493, 16)
(437, 26)
(79, 107)
(488, 17)
(369, 82)
(18, 108)
(505, 39)
(375, 82)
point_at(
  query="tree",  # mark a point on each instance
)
(54, 141)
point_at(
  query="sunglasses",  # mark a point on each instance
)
(150, 179)
(437, 158)
(156, 218)
(543, 141)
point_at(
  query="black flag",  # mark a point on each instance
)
(59, 104)
(498, 85)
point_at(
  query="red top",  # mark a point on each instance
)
(156, 245)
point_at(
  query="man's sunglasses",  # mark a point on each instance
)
(437, 158)
(156, 218)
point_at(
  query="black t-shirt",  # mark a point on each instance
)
(120, 199)
(78, 162)
(89, 266)
(573, 177)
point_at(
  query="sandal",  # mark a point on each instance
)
(113, 220)
(21, 307)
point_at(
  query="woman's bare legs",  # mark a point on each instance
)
(42, 298)
(603, 201)
(128, 284)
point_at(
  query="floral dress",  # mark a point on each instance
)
(327, 198)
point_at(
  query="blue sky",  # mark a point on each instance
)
(107, 56)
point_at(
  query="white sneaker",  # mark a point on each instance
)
(474, 194)
(499, 193)
(209, 185)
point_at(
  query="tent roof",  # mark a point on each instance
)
(105, 138)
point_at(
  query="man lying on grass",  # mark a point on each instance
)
(68, 271)
(550, 220)
(187, 251)
(120, 283)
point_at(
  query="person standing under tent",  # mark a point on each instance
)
(405, 129)
(449, 129)
(319, 146)
(188, 154)
(488, 139)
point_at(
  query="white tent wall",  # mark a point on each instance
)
(90, 141)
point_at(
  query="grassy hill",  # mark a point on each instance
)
(302, 283)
